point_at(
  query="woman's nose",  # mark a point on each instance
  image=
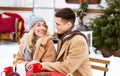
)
(42, 27)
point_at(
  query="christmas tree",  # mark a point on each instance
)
(106, 29)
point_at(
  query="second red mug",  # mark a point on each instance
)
(36, 68)
(7, 70)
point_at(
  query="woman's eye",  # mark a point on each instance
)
(44, 25)
(38, 25)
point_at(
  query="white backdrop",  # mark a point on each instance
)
(45, 8)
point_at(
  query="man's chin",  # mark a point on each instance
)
(59, 33)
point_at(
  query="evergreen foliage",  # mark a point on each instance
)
(106, 28)
(82, 10)
(81, 13)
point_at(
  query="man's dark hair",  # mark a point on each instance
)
(66, 14)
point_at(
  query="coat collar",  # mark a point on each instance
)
(62, 49)
(63, 43)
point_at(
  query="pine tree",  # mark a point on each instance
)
(106, 29)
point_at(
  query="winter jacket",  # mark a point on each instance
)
(73, 56)
(45, 53)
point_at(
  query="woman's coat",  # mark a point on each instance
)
(45, 52)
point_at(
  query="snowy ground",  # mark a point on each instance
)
(7, 49)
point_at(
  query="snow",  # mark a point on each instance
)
(7, 49)
(113, 66)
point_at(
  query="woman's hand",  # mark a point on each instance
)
(29, 67)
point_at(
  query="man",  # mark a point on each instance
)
(73, 54)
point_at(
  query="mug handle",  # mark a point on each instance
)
(29, 68)
(2, 72)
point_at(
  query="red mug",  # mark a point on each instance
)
(36, 67)
(7, 70)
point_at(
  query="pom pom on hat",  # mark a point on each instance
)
(33, 19)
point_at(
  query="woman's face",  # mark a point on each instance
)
(40, 28)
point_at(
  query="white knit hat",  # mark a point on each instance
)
(33, 19)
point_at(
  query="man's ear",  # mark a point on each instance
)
(69, 24)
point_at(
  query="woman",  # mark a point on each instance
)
(37, 44)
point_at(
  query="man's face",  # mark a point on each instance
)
(62, 26)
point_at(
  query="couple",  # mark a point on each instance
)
(72, 54)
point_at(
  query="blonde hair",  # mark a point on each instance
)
(30, 37)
